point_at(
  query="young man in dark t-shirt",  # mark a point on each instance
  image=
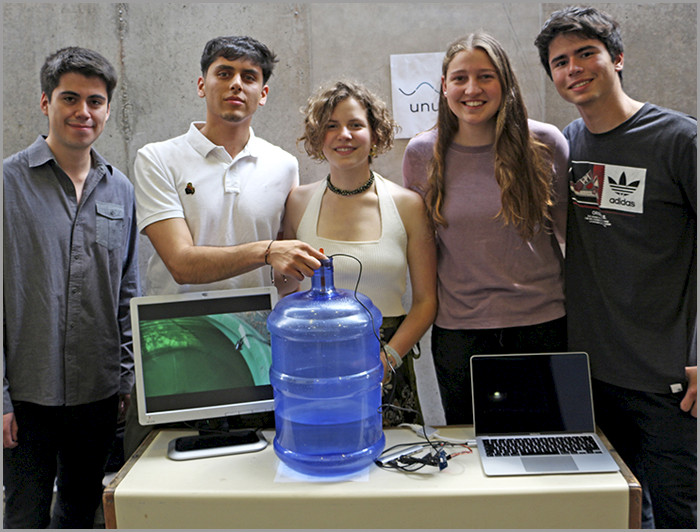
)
(631, 260)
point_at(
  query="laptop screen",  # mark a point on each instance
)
(531, 393)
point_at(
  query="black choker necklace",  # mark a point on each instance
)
(358, 190)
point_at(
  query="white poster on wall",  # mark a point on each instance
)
(415, 91)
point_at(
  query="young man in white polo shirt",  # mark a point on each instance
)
(211, 201)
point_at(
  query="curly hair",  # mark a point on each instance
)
(319, 109)
(523, 164)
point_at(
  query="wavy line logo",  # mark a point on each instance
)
(415, 90)
(418, 87)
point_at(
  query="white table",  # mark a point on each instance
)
(247, 491)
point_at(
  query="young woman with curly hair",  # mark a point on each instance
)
(358, 212)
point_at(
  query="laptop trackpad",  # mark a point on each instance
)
(546, 464)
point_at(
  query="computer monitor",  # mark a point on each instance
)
(202, 356)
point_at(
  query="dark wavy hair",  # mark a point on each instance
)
(235, 47)
(585, 21)
(80, 60)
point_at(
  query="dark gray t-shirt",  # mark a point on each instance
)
(631, 260)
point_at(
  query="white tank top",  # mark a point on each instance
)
(384, 264)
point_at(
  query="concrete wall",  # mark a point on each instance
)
(156, 50)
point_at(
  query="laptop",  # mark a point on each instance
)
(533, 415)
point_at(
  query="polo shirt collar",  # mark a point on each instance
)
(204, 146)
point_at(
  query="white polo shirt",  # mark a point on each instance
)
(224, 201)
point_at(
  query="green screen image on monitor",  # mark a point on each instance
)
(204, 353)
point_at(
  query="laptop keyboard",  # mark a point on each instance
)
(540, 446)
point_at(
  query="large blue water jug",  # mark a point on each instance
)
(326, 376)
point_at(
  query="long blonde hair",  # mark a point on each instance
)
(523, 165)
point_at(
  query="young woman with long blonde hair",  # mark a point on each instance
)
(494, 183)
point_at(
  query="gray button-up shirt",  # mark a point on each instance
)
(70, 271)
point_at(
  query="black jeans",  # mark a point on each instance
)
(659, 443)
(453, 349)
(67, 443)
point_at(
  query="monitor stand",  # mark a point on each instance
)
(208, 444)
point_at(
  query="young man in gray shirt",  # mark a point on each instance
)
(70, 270)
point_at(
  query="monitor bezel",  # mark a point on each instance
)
(196, 413)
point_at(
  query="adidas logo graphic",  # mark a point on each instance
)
(622, 188)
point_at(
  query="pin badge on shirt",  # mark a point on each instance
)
(189, 189)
